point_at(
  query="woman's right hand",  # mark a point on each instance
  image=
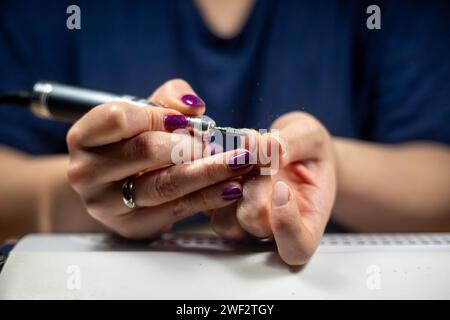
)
(117, 140)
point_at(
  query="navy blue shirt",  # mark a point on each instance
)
(389, 85)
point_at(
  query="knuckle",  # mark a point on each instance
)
(73, 137)
(154, 120)
(285, 119)
(176, 82)
(210, 172)
(298, 116)
(115, 115)
(302, 116)
(204, 200)
(142, 147)
(313, 124)
(165, 185)
(321, 137)
(255, 219)
(245, 217)
(81, 173)
(253, 214)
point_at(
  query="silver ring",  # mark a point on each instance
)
(128, 193)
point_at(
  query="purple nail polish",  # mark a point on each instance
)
(231, 193)
(240, 161)
(174, 122)
(192, 100)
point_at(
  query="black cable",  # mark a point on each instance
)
(19, 98)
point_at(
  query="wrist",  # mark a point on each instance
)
(59, 208)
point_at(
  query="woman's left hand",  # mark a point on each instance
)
(294, 204)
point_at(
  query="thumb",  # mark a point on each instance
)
(292, 237)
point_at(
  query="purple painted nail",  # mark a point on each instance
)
(231, 193)
(192, 100)
(175, 121)
(240, 161)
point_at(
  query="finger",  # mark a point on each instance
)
(115, 121)
(147, 151)
(254, 208)
(165, 185)
(294, 241)
(145, 222)
(301, 137)
(178, 94)
(288, 141)
(224, 222)
(157, 187)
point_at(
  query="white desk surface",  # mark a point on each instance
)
(412, 266)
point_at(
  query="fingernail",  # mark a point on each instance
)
(175, 121)
(240, 161)
(231, 193)
(280, 194)
(192, 101)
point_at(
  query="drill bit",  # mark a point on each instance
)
(232, 131)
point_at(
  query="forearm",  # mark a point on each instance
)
(36, 196)
(392, 188)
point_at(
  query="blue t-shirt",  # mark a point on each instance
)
(390, 85)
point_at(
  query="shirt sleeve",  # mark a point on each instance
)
(410, 59)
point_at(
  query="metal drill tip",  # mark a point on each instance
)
(232, 131)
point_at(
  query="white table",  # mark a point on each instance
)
(97, 266)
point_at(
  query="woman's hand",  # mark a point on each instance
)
(294, 204)
(117, 140)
